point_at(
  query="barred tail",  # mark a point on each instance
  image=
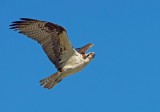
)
(51, 81)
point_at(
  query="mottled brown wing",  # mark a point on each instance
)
(52, 37)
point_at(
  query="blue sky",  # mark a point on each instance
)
(123, 77)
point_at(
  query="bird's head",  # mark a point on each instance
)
(88, 58)
(91, 55)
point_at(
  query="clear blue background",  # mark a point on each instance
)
(123, 77)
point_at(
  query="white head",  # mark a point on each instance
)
(89, 57)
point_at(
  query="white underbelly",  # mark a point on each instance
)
(74, 64)
(71, 70)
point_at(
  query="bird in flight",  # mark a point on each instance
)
(55, 43)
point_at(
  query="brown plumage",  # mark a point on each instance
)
(55, 43)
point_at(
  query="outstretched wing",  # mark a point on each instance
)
(52, 37)
(83, 49)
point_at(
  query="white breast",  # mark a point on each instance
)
(73, 65)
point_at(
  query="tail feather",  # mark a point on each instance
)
(51, 81)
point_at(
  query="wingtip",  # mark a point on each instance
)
(90, 45)
(27, 19)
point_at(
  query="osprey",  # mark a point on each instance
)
(55, 43)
